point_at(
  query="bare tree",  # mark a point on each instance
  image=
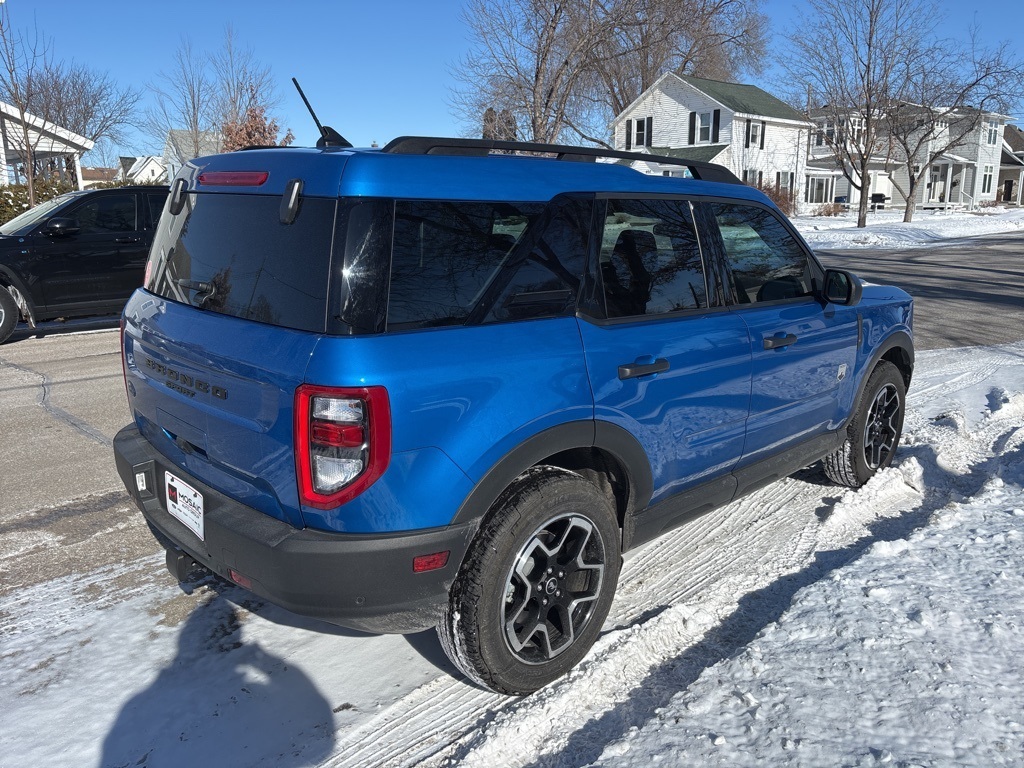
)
(849, 56)
(23, 58)
(717, 39)
(945, 95)
(184, 100)
(240, 81)
(572, 65)
(224, 94)
(529, 57)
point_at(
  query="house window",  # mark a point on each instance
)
(826, 135)
(750, 176)
(856, 129)
(993, 132)
(986, 180)
(819, 189)
(641, 134)
(704, 128)
(755, 134)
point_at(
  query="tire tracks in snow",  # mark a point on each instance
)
(681, 606)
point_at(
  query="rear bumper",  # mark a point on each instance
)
(360, 581)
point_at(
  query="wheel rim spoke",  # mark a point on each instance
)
(552, 588)
(881, 428)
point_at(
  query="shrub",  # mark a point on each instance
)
(830, 209)
(14, 197)
(783, 198)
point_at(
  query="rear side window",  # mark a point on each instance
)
(766, 261)
(650, 259)
(105, 215)
(231, 254)
(455, 263)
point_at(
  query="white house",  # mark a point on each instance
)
(54, 148)
(961, 177)
(148, 169)
(1011, 168)
(761, 139)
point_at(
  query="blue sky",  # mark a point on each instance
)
(373, 70)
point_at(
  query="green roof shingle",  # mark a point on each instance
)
(748, 99)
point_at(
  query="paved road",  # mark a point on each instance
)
(966, 292)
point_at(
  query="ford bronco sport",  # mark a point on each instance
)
(430, 385)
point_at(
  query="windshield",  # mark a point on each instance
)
(33, 216)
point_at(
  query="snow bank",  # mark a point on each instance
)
(886, 229)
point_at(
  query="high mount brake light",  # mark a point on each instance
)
(342, 442)
(233, 178)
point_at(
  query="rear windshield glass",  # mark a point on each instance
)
(231, 254)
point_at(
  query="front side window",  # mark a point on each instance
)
(766, 262)
(459, 263)
(105, 215)
(641, 133)
(986, 180)
(650, 259)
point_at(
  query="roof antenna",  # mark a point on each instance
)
(328, 136)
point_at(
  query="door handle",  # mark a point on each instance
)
(775, 342)
(635, 370)
(123, 240)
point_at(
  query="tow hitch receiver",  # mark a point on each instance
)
(180, 565)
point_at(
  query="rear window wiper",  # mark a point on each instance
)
(204, 290)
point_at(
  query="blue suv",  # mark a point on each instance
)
(435, 385)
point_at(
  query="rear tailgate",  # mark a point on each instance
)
(235, 301)
(215, 395)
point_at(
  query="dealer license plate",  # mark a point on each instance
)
(185, 503)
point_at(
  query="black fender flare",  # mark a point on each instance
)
(10, 278)
(897, 340)
(577, 434)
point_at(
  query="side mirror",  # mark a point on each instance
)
(842, 287)
(60, 226)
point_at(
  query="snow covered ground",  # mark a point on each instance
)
(802, 625)
(886, 228)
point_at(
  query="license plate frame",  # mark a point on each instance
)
(185, 504)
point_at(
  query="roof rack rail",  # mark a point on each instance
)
(431, 145)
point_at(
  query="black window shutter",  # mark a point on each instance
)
(764, 127)
(716, 121)
(778, 179)
(760, 178)
(746, 139)
(693, 127)
(629, 135)
(650, 130)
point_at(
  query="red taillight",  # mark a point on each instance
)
(239, 579)
(233, 178)
(342, 442)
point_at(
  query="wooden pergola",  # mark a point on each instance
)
(51, 147)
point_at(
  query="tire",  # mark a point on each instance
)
(874, 432)
(536, 585)
(9, 314)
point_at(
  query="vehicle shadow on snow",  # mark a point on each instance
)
(222, 701)
(760, 609)
(425, 643)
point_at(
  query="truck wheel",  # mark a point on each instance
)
(536, 585)
(874, 432)
(8, 314)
